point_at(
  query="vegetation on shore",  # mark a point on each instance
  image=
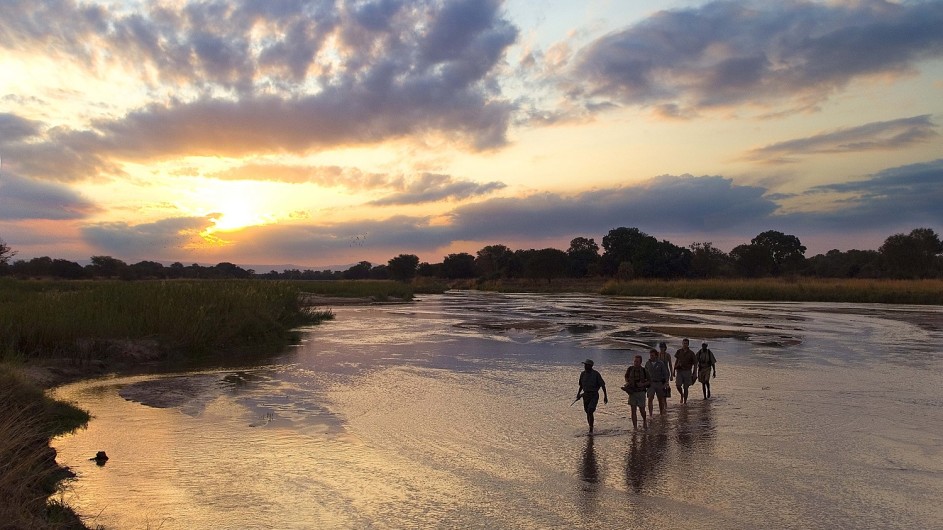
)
(84, 321)
(28, 470)
(81, 328)
(926, 292)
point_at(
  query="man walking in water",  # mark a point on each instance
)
(636, 381)
(590, 383)
(705, 363)
(659, 372)
(684, 362)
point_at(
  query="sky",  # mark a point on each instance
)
(322, 133)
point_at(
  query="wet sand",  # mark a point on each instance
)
(448, 413)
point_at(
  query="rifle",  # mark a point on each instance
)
(578, 396)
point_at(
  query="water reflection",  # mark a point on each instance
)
(589, 477)
(645, 469)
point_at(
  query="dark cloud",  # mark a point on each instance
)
(23, 198)
(883, 135)
(14, 128)
(663, 203)
(278, 76)
(910, 195)
(734, 52)
(148, 240)
(432, 187)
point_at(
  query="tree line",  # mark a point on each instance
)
(626, 253)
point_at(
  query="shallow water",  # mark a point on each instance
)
(454, 412)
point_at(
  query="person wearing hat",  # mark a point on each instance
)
(705, 364)
(590, 383)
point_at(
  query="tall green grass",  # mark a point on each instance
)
(28, 470)
(927, 292)
(51, 319)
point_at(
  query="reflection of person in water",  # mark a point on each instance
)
(590, 383)
(589, 476)
(644, 459)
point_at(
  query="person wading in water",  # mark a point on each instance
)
(684, 362)
(705, 363)
(590, 383)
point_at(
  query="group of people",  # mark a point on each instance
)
(652, 380)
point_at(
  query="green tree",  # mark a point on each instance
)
(5, 253)
(493, 261)
(461, 265)
(403, 267)
(786, 251)
(108, 267)
(584, 257)
(707, 261)
(628, 245)
(360, 271)
(544, 264)
(752, 260)
(912, 255)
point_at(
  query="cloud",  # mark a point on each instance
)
(681, 209)
(147, 240)
(728, 53)
(235, 78)
(903, 196)
(675, 203)
(882, 135)
(432, 187)
(14, 128)
(327, 176)
(23, 198)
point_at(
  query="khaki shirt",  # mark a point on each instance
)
(685, 359)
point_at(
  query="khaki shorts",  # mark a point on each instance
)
(637, 399)
(683, 378)
(656, 389)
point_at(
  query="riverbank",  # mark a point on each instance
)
(59, 332)
(792, 289)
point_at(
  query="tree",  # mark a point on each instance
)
(461, 265)
(107, 267)
(547, 263)
(403, 267)
(5, 253)
(493, 261)
(628, 245)
(584, 257)
(752, 260)
(786, 251)
(360, 271)
(912, 255)
(707, 261)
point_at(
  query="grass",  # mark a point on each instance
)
(793, 289)
(28, 470)
(80, 320)
(926, 292)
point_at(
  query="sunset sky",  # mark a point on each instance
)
(320, 133)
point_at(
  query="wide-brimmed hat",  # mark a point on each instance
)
(588, 362)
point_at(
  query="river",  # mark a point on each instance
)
(454, 412)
